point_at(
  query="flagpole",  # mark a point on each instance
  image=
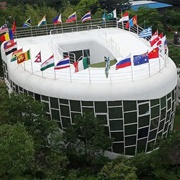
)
(55, 74)
(159, 65)
(31, 63)
(89, 75)
(131, 67)
(70, 73)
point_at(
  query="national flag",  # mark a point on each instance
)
(81, 65)
(140, 59)
(131, 22)
(63, 63)
(38, 57)
(27, 23)
(10, 46)
(125, 17)
(154, 53)
(107, 67)
(4, 29)
(104, 17)
(42, 21)
(4, 37)
(48, 63)
(15, 54)
(146, 32)
(72, 17)
(164, 42)
(11, 34)
(163, 46)
(154, 35)
(23, 57)
(112, 15)
(57, 20)
(14, 27)
(154, 41)
(124, 63)
(86, 17)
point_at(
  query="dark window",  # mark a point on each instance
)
(161, 125)
(143, 109)
(63, 101)
(45, 98)
(141, 145)
(169, 104)
(117, 136)
(131, 140)
(168, 116)
(115, 112)
(103, 118)
(37, 97)
(154, 123)
(163, 113)
(163, 102)
(116, 125)
(115, 103)
(87, 103)
(87, 110)
(150, 146)
(54, 103)
(130, 129)
(55, 114)
(130, 117)
(100, 107)
(129, 105)
(46, 106)
(64, 110)
(143, 132)
(155, 111)
(75, 106)
(144, 121)
(166, 126)
(130, 150)
(152, 134)
(73, 115)
(154, 102)
(118, 148)
(65, 121)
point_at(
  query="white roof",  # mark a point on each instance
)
(147, 81)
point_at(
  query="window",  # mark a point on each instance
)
(130, 117)
(131, 140)
(65, 121)
(63, 101)
(102, 117)
(130, 129)
(155, 111)
(143, 132)
(116, 125)
(87, 103)
(154, 102)
(55, 114)
(129, 105)
(64, 110)
(144, 121)
(115, 112)
(118, 148)
(163, 102)
(100, 107)
(117, 136)
(115, 103)
(152, 134)
(130, 150)
(141, 145)
(54, 103)
(154, 123)
(143, 109)
(75, 106)
(161, 125)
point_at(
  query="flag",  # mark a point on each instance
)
(10, 46)
(107, 67)
(111, 15)
(104, 17)
(48, 63)
(163, 46)
(154, 53)
(64, 63)
(146, 32)
(38, 57)
(14, 27)
(42, 21)
(124, 63)
(86, 17)
(3, 29)
(5, 37)
(154, 41)
(125, 17)
(15, 54)
(23, 57)
(11, 34)
(140, 59)
(72, 17)
(131, 22)
(27, 23)
(57, 20)
(81, 65)
(2, 38)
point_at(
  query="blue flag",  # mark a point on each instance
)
(140, 59)
(146, 32)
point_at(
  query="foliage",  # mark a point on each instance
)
(16, 150)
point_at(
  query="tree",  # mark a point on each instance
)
(86, 137)
(16, 150)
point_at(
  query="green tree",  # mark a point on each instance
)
(16, 150)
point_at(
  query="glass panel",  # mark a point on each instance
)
(169, 104)
(117, 136)
(106, 130)
(130, 150)
(161, 125)
(65, 121)
(143, 132)
(154, 102)
(143, 109)
(144, 121)
(54, 103)
(130, 117)
(168, 116)
(87, 103)
(173, 97)
(152, 134)
(130, 140)
(46, 106)
(115, 112)
(141, 145)
(118, 148)
(102, 117)
(116, 125)
(154, 123)
(37, 97)
(155, 111)
(163, 113)
(165, 127)
(129, 105)
(163, 102)
(55, 114)
(75, 106)
(115, 103)
(46, 98)
(150, 146)
(131, 129)
(100, 107)
(87, 110)
(63, 101)
(64, 110)
(159, 136)
(169, 95)
(73, 116)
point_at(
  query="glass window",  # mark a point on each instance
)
(131, 140)
(46, 106)
(163, 113)
(118, 148)
(155, 111)
(129, 105)
(102, 117)
(169, 95)
(87, 110)
(130, 129)
(65, 121)
(116, 125)
(169, 104)
(161, 125)
(168, 116)
(143, 132)
(144, 121)
(75, 106)
(45, 98)
(106, 130)
(115, 103)
(73, 116)
(130, 117)
(152, 134)
(130, 150)
(154, 102)
(165, 127)
(154, 123)
(100, 107)
(87, 103)
(163, 102)
(37, 97)
(117, 136)
(150, 146)
(55, 114)
(141, 145)
(64, 110)
(63, 101)
(159, 135)
(54, 103)
(115, 112)
(173, 97)
(143, 109)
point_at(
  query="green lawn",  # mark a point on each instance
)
(102, 64)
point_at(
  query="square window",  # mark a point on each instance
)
(130, 150)
(55, 114)
(154, 102)
(130, 117)
(161, 125)
(118, 148)
(130, 140)
(75, 106)
(103, 118)
(143, 132)
(129, 105)
(100, 107)
(63, 101)
(150, 146)
(54, 103)
(64, 110)
(131, 129)
(45, 98)
(144, 121)
(144, 109)
(116, 125)
(163, 113)
(155, 111)
(154, 123)
(141, 145)
(115, 112)
(65, 122)
(87, 110)
(152, 134)
(163, 102)
(117, 136)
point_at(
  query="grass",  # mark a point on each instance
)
(102, 64)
